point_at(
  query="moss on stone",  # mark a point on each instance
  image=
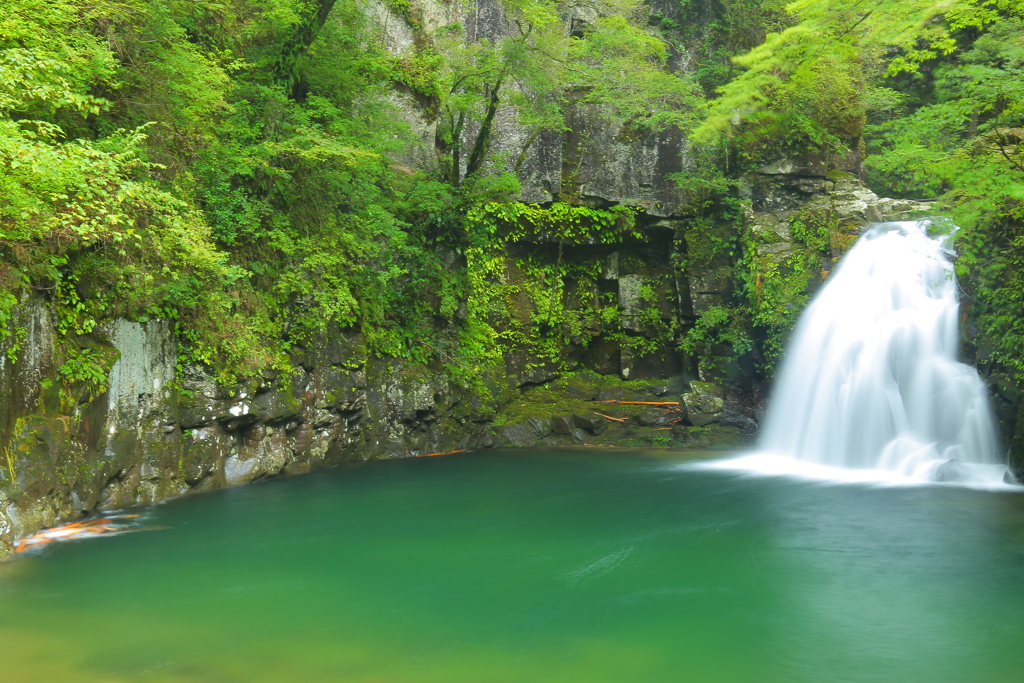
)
(581, 393)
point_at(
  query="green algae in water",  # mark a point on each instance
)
(584, 565)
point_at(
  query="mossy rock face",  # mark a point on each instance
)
(1008, 406)
(713, 437)
(165, 430)
(523, 434)
(1016, 445)
(587, 408)
(719, 437)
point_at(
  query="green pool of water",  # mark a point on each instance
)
(526, 566)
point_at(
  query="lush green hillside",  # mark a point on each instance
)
(232, 165)
(933, 96)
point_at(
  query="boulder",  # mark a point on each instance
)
(520, 435)
(562, 425)
(734, 418)
(591, 424)
(703, 403)
(655, 418)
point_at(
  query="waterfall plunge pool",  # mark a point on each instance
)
(510, 566)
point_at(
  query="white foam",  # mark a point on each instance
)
(987, 477)
(870, 389)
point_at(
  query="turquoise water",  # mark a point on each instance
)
(585, 565)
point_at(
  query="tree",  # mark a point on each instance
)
(538, 68)
(806, 88)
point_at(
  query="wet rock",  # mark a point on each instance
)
(630, 302)
(733, 418)
(520, 435)
(710, 286)
(541, 426)
(120, 489)
(655, 418)
(302, 438)
(703, 403)
(318, 418)
(659, 363)
(562, 425)
(35, 359)
(804, 167)
(603, 357)
(275, 406)
(615, 394)
(951, 470)
(665, 390)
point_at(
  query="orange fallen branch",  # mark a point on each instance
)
(83, 529)
(430, 455)
(609, 417)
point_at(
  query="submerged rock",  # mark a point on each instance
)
(956, 470)
(951, 470)
(655, 418)
(734, 418)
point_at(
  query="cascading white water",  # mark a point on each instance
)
(871, 381)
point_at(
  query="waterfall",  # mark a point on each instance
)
(870, 380)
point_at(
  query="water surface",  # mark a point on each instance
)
(573, 565)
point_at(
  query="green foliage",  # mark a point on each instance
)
(616, 66)
(522, 304)
(206, 192)
(543, 302)
(621, 69)
(229, 166)
(970, 122)
(712, 241)
(803, 90)
(778, 286)
(719, 31)
(962, 139)
(718, 325)
(708, 187)
(67, 204)
(84, 376)
(561, 222)
(939, 85)
(772, 286)
(9, 280)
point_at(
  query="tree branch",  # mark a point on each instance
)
(483, 138)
